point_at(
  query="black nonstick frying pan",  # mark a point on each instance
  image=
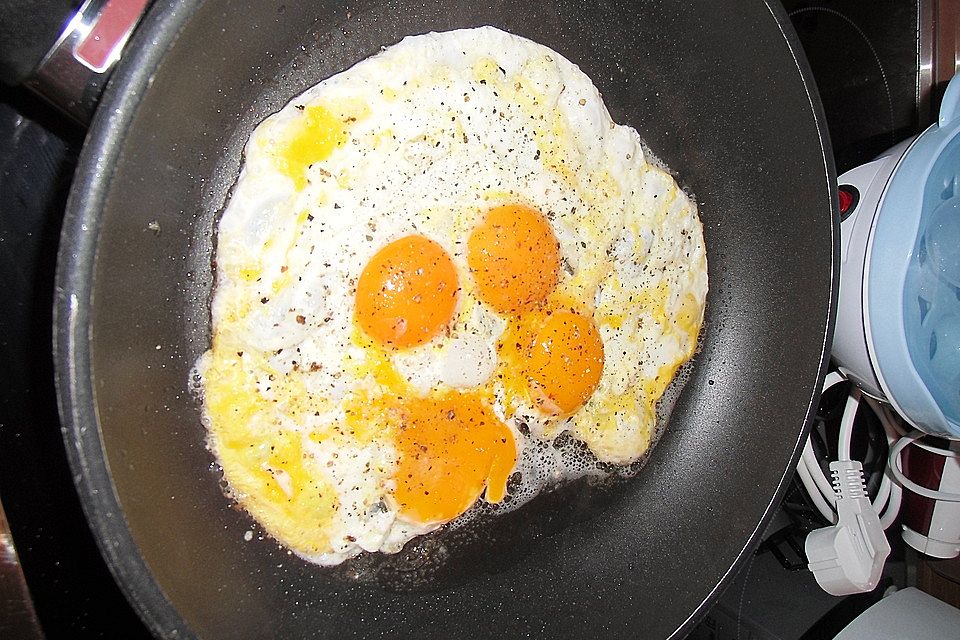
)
(718, 89)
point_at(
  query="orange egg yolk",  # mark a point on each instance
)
(514, 259)
(450, 446)
(407, 293)
(561, 360)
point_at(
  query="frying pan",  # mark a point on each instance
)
(718, 89)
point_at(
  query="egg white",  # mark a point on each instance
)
(439, 129)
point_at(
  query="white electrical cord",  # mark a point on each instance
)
(883, 493)
(821, 492)
(894, 466)
(892, 509)
(846, 424)
(848, 556)
(817, 486)
(889, 506)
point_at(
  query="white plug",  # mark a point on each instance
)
(849, 556)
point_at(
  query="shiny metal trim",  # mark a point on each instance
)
(926, 36)
(938, 54)
(67, 80)
(947, 54)
(18, 619)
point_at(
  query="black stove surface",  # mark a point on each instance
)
(862, 53)
(864, 57)
(73, 592)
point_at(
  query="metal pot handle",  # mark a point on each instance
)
(73, 72)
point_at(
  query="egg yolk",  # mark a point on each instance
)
(407, 293)
(564, 361)
(315, 136)
(514, 259)
(450, 446)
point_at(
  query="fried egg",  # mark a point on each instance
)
(432, 265)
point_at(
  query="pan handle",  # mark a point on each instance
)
(87, 43)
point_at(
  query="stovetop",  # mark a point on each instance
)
(73, 593)
(863, 54)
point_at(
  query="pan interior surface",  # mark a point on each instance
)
(713, 88)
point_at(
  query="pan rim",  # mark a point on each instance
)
(76, 262)
(792, 41)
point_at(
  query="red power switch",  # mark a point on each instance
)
(849, 197)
